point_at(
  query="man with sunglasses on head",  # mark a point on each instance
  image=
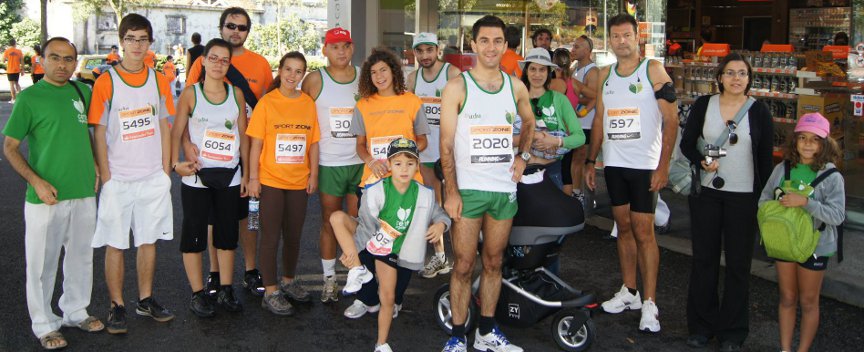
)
(636, 125)
(60, 205)
(427, 82)
(250, 72)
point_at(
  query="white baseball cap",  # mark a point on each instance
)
(425, 38)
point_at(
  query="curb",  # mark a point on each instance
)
(836, 285)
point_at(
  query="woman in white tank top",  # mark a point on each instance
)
(213, 181)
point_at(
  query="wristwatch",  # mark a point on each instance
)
(525, 156)
(589, 161)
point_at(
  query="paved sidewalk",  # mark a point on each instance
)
(843, 281)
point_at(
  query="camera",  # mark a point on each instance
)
(713, 152)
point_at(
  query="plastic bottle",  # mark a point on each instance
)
(254, 204)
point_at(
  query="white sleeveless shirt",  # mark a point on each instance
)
(484, 137)
(632, 122)
(335, 105)
(213, 128)
(580, 76)
(132, 134)
(430, 93)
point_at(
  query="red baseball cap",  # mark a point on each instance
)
(337, 35)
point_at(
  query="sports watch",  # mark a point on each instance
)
(525, 156)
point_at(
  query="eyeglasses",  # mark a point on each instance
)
(131, 41)
(733, 137)
(732, 74)
(61, 59)
(239, 27)
(216, 60)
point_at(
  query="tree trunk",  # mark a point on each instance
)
(43, 21)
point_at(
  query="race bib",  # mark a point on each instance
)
(340, 122)
(137, 123)
(381, 244)
(623, 124)
(218, 146)
(432, 109)
(379, 145)
(290, 148)
(491, 144)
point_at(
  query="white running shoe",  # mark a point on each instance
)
(649, 322)
(495, 341)
(396, 309)
(357, 276)
(383, 348)
(622, 300)
(436, 266)
(358, 309)
(329, 292)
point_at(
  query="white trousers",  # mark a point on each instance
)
(661, 216)
(69, 224)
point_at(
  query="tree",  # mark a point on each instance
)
(290, 34)
(84, 8)
(8, 17)
(43, 20)
(26, 33)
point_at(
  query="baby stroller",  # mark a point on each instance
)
(530, 292)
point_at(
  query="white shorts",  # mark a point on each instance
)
(143, 206)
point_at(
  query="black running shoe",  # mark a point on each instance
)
(252, 282)
(212, 286)
(116, 323)
(201, 306)
(148, 307)
(225, 299)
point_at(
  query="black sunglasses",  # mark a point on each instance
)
(538, 111)
(733, 137)
(239, 27)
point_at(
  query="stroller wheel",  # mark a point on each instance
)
(443, 313)
(573, 330)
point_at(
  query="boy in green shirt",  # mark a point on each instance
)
(397, 217)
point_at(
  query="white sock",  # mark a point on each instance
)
(329, 266)
(441, 256)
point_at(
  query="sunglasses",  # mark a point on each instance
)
(733, 137)
(239, 27)
(538, 111)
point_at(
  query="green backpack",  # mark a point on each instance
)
(788, 233)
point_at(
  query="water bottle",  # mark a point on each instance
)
(253, 213)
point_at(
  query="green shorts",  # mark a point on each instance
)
(499, 205)
(339, 180)
(429, 165)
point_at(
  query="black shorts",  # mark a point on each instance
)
(13, 77)
(368, 259)
(566, 161)
(37, 77)
(587, 136)
(812, 263)
(198, 205)
(631, 186)
(242, 211)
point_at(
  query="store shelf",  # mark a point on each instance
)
(775, 95)
(776, 71)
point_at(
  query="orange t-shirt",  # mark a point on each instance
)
(13, 58)
(36, 65)
(288, 126)
(383, 119)
(112, 58)
(150, 59)
(168, 70)
(510, 63)
(254, 67)
(103, 91)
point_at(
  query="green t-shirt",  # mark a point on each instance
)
(801, 176)
(398, 210)
(54, 122)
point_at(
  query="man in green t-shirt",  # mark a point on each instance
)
(60, 205)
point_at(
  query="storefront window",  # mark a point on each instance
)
(396, 21)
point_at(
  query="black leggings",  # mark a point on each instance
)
(369, 292)
(282, 215)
